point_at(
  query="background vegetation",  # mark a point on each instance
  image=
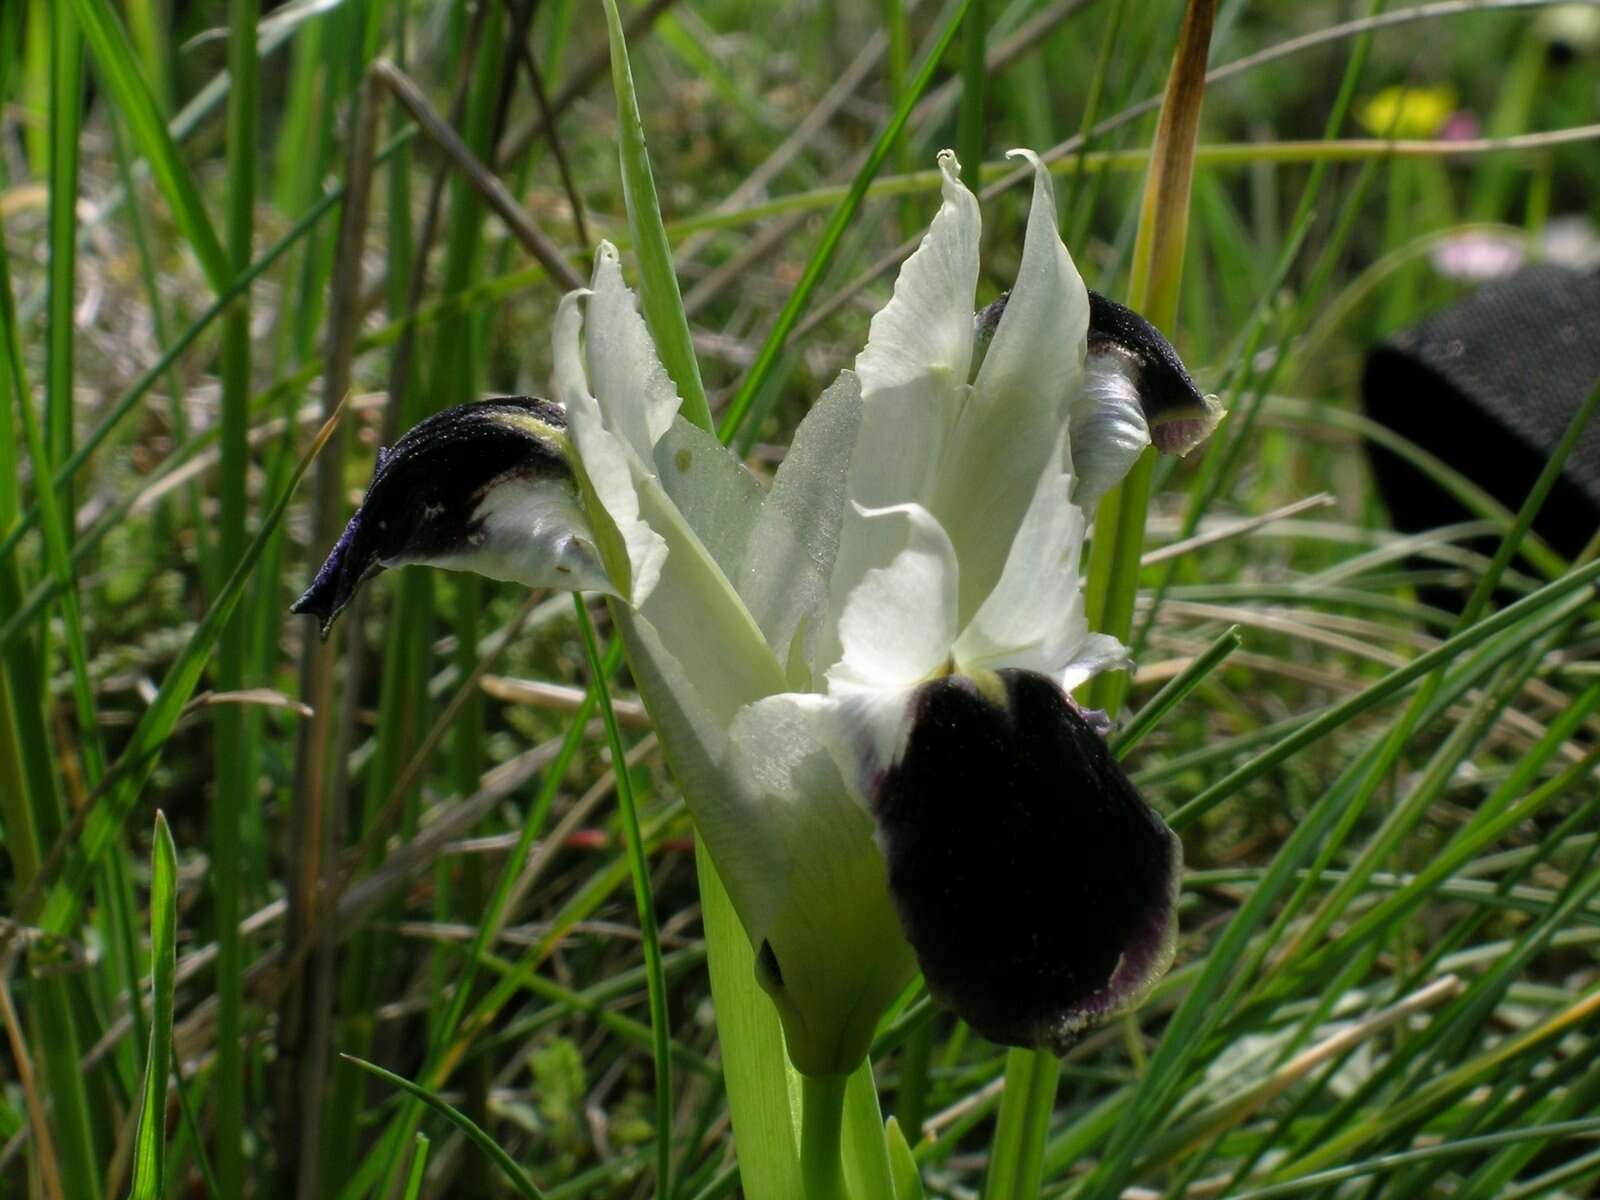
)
(403, 845)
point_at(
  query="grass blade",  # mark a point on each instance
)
(1389, 1162)
(1157, 274)
(150, 1141)
(1390, 685)
(1168, 698)
(119, 70)
(419, 1165)
(970, 145)
(125, 781)
(767, 357)
(514, 1174)
(649, 932)
(658, 280)
(233, 754)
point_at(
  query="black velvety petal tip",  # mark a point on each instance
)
(426, 489)
(1180, 417)
(1036, 886)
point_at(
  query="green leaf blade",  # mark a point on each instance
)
(150, 1142)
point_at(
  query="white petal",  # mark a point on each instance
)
(899, 621)
(1108, 430)
(926, 329)
(914, 369)
(699, 615)
(632, 552)
(1031, 375)
(658, 561)
(902, 442)
(1033, 619)
(530, 531)
(789, 563)
(833, 934)
(635, 392)
(717, 496)
(1097, 652)
(745, 835)
(569, 379)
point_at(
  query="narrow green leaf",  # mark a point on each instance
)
(765, 1114)
(119, 70)
(902, 1164)
(1390, 685)
(970, 146)
(1157, 272)
(865, 1147)
(445, 1049)
(649, 932)
(1179, 686)
(150, 1142)
(658, 281)
(1388, 1162)
(419, 1165)
(232, 753)
(821, 258)
(125, 781)
(66, 100)
(1016, 1156)
(327, 203)
(517, 1177)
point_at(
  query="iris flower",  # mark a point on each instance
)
(862, 675)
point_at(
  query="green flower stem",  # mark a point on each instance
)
(822, 1113)
(1016, 1162)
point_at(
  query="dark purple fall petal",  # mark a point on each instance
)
(1036, 886)
(425, 490)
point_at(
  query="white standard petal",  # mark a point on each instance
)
(926, 328)
(1108, 429)
(1030, 377)
(789, 564)
(719, 499)
(699, 615)
(1033, 619)
(914, 369)
(631, 551)
(636, 395)
(899, 621)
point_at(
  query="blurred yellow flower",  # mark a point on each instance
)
(1407, 111)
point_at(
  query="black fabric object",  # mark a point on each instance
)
(1489, 386)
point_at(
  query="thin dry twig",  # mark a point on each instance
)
(588, 73)
(1211, 537)
(558, 697)
(488, 185)
(45, 1151)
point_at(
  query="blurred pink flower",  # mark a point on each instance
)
(1477, 254)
